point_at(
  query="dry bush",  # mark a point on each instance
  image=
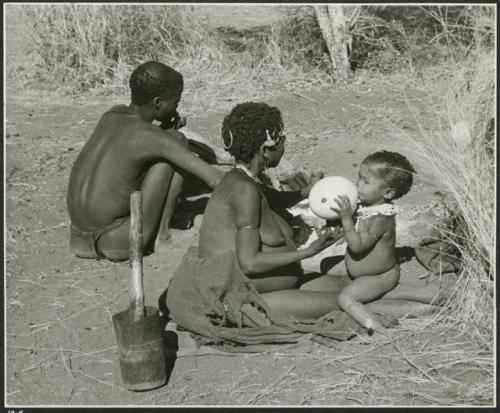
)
(88, 46)
(392, 38)
(460, 159)
(299, 41)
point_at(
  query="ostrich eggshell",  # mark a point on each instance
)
(323, 194)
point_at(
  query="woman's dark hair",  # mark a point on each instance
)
(394, 169)
(244, 129)
(153, 79)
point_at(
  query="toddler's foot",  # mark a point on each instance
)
(377, 334)
(376, 330)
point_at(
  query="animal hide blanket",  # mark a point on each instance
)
(214, 300)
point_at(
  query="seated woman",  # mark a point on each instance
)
(239, 217)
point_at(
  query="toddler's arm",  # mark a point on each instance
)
(359, 241)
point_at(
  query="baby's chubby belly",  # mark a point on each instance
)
(374, 263)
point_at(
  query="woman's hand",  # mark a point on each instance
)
(344, 208)
(335, 227)
(326, 237)
(294, 181)
(338, 233)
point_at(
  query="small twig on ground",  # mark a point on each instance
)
(411, 363)
(56, 351)
(78, 312)
(305, 97)
(71, 395)
(352, 355)
(61, 225)
(39, 363)
(87, 293)
(199, 395)
(353, 399)
(198, 353)
(30, 186)
(274, 351)
(274, 384)
(102, 381)
(12, 171)
(432, 399)
(332, 386)
(67, 366)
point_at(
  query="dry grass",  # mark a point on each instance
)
(459, 155)
(79, 48)
(94, 48)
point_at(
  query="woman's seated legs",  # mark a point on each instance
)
(302, 305)
(275, 283)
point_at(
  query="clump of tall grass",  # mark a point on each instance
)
(88, 46)
(460, 159)
(392, 38)
(298, 40)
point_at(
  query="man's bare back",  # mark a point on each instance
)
(127, 152)
(107, 171)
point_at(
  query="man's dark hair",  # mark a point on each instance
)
(153, 79)
(244, 129)
(394, 169)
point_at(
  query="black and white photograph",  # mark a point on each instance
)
(249, 205)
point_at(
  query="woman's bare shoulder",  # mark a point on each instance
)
(239, 188)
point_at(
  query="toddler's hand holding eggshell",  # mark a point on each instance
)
(323, 193)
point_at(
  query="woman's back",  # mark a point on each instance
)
(218, 229)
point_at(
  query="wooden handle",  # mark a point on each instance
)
(135, 252)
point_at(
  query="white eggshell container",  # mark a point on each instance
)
(323, 194)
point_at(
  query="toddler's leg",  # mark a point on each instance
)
(366, 289)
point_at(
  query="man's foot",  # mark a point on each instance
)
(163, 241)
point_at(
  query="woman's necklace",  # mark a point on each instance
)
(248, 172)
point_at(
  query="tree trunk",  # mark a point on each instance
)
(333, 25)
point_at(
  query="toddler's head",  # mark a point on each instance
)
(384, 176)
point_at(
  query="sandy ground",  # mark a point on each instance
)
(61, 348)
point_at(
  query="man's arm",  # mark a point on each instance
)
(281, 199)
(286, 199)
(173, 146)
